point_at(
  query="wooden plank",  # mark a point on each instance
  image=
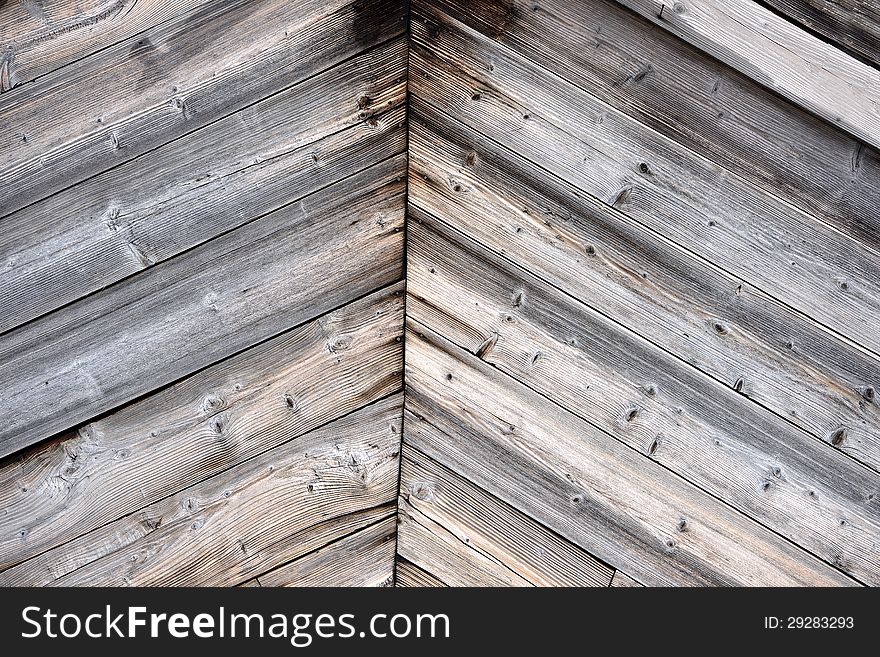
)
(152, 448)
(409, 575)
(46, 568)
(721, 217)
(39, 37)
(481, 528)
(168, 81)
(716, 322)
(621, 580)
(685, 94)
(301, 544)
(703, 431)
(364, 558)
(314, 538)
(263, 158)
(853, 25)
(235, 520)
(220, 298)
(583, 484)
(793, 63)
(434, 548)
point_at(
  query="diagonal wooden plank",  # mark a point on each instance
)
(214, 301)
(432, 546)
(152, 448)
(258, 160)
(481, 534)
(234, 520)
(407, 574)
(304, 543)
(39, 37)
(715, 322)
(608, 499)
(793, 63)
(46, 568)
(171, 80)
(724, 219)
(852, 25)
(363, 558)
(683, 93)
(706, 433)
(622, 580)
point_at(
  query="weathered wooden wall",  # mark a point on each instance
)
(640, 312)
(642, 306)
(201, 263)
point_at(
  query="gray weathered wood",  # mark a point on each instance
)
(433, 547)
(407, 574)
(251, 584)
(610, 500)
(152, 448)
(719, 216)
(46, 568)
(685, 94)
(622, 580)
(327, 532)
(364, 558)
(716, 322)
(39, 37)
(235, 520)
(670, 294)
(168, 81)
(853, 25)
(262, 158)
(224, 296)
(779, 55)
(482, 534)
(707, 433)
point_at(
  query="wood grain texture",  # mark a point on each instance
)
(258, 160)
(622, 580)
(204, 424)
(852, 25)
(715, 322)
(583, 484)
(779, 55)
(721, 217)
(305, 542)
(643, 288)
(39, 37)
(234, 520)
(363, 558)
(251, 583)
(448, 558)
(707, 433)
(409, 575)
(464, 537)
(45, 568)
(181, 76)
(685, 94)
(201, 260)
(224, 296)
